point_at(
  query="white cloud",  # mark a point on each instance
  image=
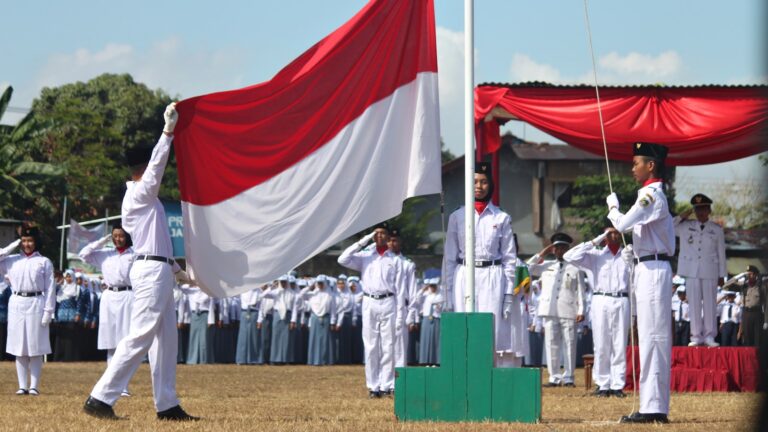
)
(168, 64)
(636, 65)
(524, 68)
(613, 68)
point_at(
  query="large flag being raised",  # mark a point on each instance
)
(274, 173)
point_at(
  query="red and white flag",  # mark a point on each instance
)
(272, 174)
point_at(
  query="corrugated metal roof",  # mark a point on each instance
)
(534, 84)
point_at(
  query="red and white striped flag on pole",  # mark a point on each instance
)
(274, 173)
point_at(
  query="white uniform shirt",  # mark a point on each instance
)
(32, 273)
(431, 304)
(381, 274)
(201, 302)
(735, 312)
(680, 309)
(562, 288)
(610, 272)
(702, 250)
(321, 302)
(115, 266)
(651, 223)
(493, 241)
(345, 305)
(284, 301)
(250, 299)
(143, 213)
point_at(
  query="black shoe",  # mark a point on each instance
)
(551, 384)
(96, 408)
(618, 394)
(644, 418)
(176, 414)
(374, 394)
(569, 385)
(22, 392)
(601, 393)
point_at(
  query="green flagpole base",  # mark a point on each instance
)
(466, 386)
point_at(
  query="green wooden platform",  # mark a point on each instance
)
(466, 386)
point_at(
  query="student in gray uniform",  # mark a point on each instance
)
(358, 349)
(283, 320)
(224, 333)
(430, 303)
(302, 325)
(345, 312)
(181, 305)
(5, 295)
(248, 335)
(264, 325)
(202, 320)
(322, 302)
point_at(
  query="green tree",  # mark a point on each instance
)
(445, 154)
(413, 227)
(25, 184)
(587, 212)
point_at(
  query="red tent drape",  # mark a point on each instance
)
(701, 125)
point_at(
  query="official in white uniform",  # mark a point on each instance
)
(153, 319)
(495, 262)
(30, 308)
(117, 299)
(408, 286)
(610, 308)
(702, 263)
(383, 306)
(561, 306)
(653, 243)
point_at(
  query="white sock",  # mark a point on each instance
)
(35, 368)
(22, 370)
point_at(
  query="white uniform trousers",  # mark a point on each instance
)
(610, 325)
(114, 318)
(379, 343)
(702, 295)
(653, 292)
(26, 335)
(560, 334)
(153, 330)
(401, 345)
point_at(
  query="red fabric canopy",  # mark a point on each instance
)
(701, 125)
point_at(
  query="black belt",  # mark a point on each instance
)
(28, 293)
(154, 258)
(655, 257)
(250, 310)
(378, 296)
(481, 263)
(120, 288)
(610, 294)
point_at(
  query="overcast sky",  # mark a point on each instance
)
(195, 47)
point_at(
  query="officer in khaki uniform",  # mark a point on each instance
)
(752, 318)
(561, 306)
(702, 264)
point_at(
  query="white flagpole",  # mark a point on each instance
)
(63, 230)
(469, 157)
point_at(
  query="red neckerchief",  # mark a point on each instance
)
(480, 206)
(382, 250)
(121, 250)
(651, 180)
(614, 248)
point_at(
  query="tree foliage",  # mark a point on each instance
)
(413, 227)
(587, 212)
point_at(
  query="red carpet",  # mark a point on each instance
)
(702, 369)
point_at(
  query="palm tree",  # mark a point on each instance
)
(24, 183)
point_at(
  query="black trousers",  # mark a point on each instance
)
(682, 333)
(751, 327)
(728, 334)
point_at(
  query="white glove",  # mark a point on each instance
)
(367, 239)
(628, 255)
(765, 326)
(507, 305)
(613, 201)
(599, 239)
(171, 117)
(399, 321)
(8, 249)
(46, 319)
(183, 278)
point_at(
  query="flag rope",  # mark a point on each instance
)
(610, 186)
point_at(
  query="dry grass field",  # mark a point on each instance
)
(304, 398)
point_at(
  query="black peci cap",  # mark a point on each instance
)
(655, 151)
(383, 225)
(483, 168)
(700, 200)
(561, 238)
(138, 155)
